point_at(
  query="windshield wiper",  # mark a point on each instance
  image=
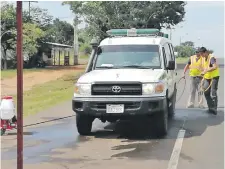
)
(105, 67)
(136, 66)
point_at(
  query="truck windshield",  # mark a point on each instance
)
(128, 56)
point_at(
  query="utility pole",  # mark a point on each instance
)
(76, 45)
(29, 10)
(182, 37)
(170, 28)
(19, 54)
(29, 2)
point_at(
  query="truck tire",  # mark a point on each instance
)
(84, 124)
(173, 104)
(161, 121)
(2, 131)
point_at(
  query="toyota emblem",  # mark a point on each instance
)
(116, 89)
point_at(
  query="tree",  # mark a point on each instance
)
(188, 43)
(38, 16)
(187, 49)
(104, 15)
(84, 35)
(84, 39)
(33, 30)
(31, 33)
(184, 51)
(210, 51)
(8, 18)
(60, 32)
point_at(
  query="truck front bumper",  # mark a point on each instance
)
(96, 107)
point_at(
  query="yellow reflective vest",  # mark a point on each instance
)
(195, 66)
(206, 64)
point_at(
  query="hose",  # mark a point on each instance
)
(183, 88)
(47, 121)
(201, 87)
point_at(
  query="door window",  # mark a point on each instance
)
(172, 51)
(168, 52)
(164, 56)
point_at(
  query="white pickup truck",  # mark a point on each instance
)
(131, 73)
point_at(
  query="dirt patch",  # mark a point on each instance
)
(9, 86)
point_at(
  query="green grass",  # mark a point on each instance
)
(49, 94)
(84, 56)
(182, 60)
(13, 72)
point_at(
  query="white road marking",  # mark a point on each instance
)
(176, 150)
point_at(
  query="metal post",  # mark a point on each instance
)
(75, 62)
(54, 56)
(69, 56)
(64, 54)
(19, 48)
(29, 11)
(59, 57)
(29, 8)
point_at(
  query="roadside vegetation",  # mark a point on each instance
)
(181, 60)
(185, 50)
(49, 94)
(10, 73)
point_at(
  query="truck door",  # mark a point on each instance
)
(170, 73)
(174, 59)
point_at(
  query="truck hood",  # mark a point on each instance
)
(140, 75)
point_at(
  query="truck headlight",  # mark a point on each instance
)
(152, 88)
(82, 89)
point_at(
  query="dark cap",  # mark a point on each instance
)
(202, 49)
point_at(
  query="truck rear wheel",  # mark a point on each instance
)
(161, 122)
(84, 124)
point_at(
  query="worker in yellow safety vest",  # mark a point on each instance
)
(195, 66)
(211, 77)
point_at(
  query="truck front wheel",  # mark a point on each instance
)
(2, 131)
(172, 104)
(161, 121)
(84, 124)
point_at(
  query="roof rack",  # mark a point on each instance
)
(135, 33)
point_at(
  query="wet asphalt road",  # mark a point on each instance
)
(125, 144)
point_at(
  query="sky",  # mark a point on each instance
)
(203, 23)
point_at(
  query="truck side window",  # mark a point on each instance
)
(167, 51)
(172, 51)
(164, 56)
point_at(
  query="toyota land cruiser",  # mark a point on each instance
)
(131, 73)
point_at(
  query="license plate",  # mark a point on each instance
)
(116, 108)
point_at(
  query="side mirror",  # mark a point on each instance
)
(99, 50)
(170, 65)
(94, 43)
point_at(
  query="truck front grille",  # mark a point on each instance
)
(120, 89)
